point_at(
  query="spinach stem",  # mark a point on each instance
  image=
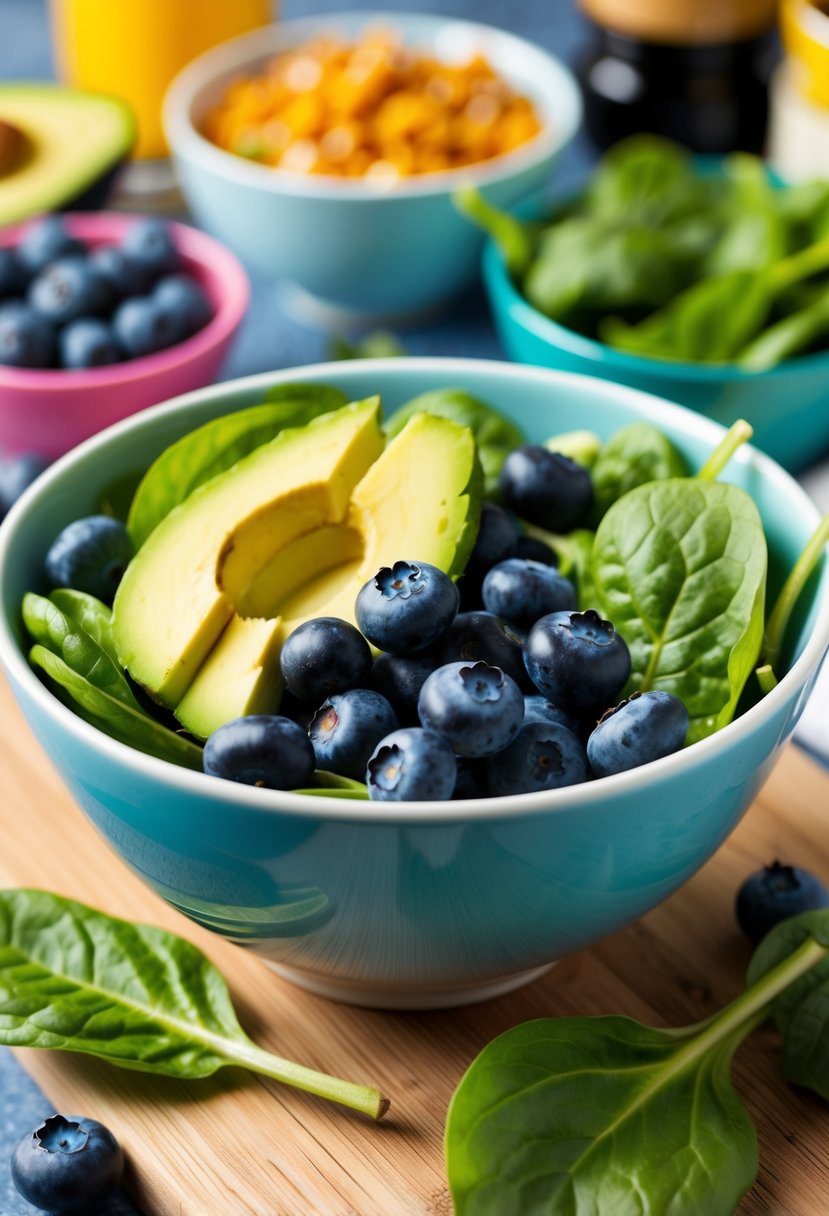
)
(794, 584)
(508, 233)
(800, 265)
(734, 437)
(766, 678)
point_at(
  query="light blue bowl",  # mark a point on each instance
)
(788, 406)
(353, 246)
(430, 904)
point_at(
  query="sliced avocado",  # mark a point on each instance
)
(70, 141)
(240, 676)
(169, 610)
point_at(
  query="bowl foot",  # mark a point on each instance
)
(423, 996)
(315, 313)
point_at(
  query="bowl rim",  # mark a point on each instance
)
(186, 140)
(223, 793)
(105, 227)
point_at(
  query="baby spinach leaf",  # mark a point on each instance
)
(514, 239)
(219, 444)
(792, 335)
(139, 997)
(633, 456)
(91, 615)
(679, 566)
(380, 344)
(755, 233)
(332, 785)
(644, 180)
(581, 446)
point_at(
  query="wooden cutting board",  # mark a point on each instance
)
(245, 1146)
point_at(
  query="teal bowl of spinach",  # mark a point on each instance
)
(706, 283)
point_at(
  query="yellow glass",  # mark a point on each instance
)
(805, 30)
(134, 48)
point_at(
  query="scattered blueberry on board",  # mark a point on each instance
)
(775, 893)
(68, 1166)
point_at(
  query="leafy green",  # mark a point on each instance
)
(513, 238)
(91, 615)
(635, 454)
(755, 233)
(792, 335)
(786, 602)
(647, 181)
(575, 553)
(332, 785)
(219, 444)
(583, 447)
(139, 997)
(381, 344)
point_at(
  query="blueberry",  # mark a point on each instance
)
(645, 727)
(521, 591)
(67, 1166)
(535, 550)
(481, 636)
(539, 709)
(45, 242)
(471, 781)
(184, 301)
(346, 729)
(411, 764)
(406, 606)
(91, 555)
(141, 327)
(68, 289)
(13, 277)
(495, 542)
(87, 342)
(542, 756)
(775, 892)
(26, 340)
(16, 475)
(150, 244)
(399, 678)
(477, 707)
(546, 488)
(124, 276)
(261, 749)
(577, 660)
(323, 656)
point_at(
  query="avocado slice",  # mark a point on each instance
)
(69, 145)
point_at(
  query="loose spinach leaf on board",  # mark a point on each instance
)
(139, 997)
(633, 456)
(219, 444)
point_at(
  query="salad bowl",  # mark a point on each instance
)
(415, 904)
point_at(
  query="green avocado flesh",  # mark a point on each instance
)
(290, 532)
(71, 139)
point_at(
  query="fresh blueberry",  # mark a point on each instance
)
(26, 340)
(521, 591)
(411, 764)
(480, 636)
(68, 1166)
(495, 542)
(90, 555)
(477, 707)
(45, 242)
(774, 893)
(539, 709)
(323, 656)
(13, 277)
(406, 606)
(16, 475)
(141, 327)
(150, 243)
(87, 342)
(261, 749)
(472, 780)
(346, 729)
(542, 756)
(535, 550)
(185, 302)
(645, 727)
(68, 289)
(546, 488)
(577, 660)
(124, 276)
(399, 678)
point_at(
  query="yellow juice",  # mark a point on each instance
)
(134, 48)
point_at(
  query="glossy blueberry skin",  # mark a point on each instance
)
(496, 540)
(480, 636)
(26, 340)
(323, 656)
(546, 488)
(16, 475)
(520, 591)
(45, 242)
(68, 1166)
(68, 289)
(261, 749)
(13, 277)
(183, 300)
(406, 606)
(774, 893)
(577, 660)
(346, 729)
(141, 327)
(399, 678)
(150, 244)
(535, 550)
(87, 342)
(411, 764)
(539, 709)
(542, 756)
(476, 706)
(645, 727)
(90, 554)
(124, 276)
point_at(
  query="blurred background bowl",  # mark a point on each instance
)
(352, 248)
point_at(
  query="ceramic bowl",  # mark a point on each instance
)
(352, 247)
(51, 411)
(414, 904)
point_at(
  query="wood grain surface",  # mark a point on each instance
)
(245, 1146)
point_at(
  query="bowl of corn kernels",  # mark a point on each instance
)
(325, 152)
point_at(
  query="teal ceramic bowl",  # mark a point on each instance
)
(788, 406)
(356, 247)
(413, 904)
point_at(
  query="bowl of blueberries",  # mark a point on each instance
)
(104, 314)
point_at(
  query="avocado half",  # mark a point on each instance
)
(63, 148)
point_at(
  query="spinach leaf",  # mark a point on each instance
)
(644, 181)
(574, 551)
(332, 785)
(115, 498)
(495, 436)
(139, 997)
(513, 238)
(633, 456)
(792, 335)
(581, 446)
(91, 615)
(755, 234)
(380, 344)
(679, 566)
(217, 445)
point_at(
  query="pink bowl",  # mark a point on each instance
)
(49, 412)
